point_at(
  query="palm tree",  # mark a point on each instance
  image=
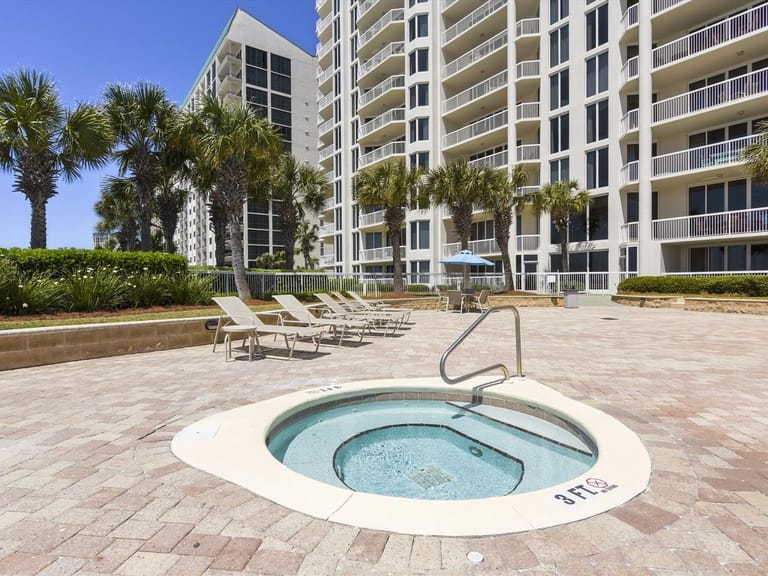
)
(561, 200)
(455, 186)
(234, 149)
(306, 236)
(41, 140)
(756, 156)
(391, 186)
(498, 195)
(141, 117)
(298, 188)
(117, 211)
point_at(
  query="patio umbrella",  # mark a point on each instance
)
(466, 258)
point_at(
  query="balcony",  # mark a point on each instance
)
(326, 127)
(324, 78)
(477, 93)
(490, 54)
(630, 173)
(323, 53)
(326, 230)
(629, 19)
(527, 27)
(329, 204)
(230, 59)
(371, 219)
(382, 153)
(710, 157)
(472, 19)
(718, 34)
(327, 260)
(389, 93)
(527, 111)
(321, 6)
(737, 223)
(527, 190)
(369, 10)
(388, 28)
(324, 104)
(393, 53)
(528, 70)
(629, 234)
(630, 122)
(379, 254)
(497, 160)
(661, 5)
(529, 153)
(479, 247)
(630, 70)
(322, 26)
(528, 243)
(482, 127)
(385, 127)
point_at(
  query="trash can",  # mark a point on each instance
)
(570, 298)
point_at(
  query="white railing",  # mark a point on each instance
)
(704, 157)
(365, 6)
(477, 53)
(324, 49)
(736, 222)
(527, 27)
(528, 243)
(389, 149)
(629, 233)
(376, 254)
(372, 218)
(326, 230)
(527, 69)
(528, 153)
(497, 160)
(323, 24)
(325, 101)
(711, 96)
(326, 126)
(584, 282)
(479, 247)
(477, 91)
(393, 115)
(448, 3)
(630, 172)
(630, 18)
(380, 88)
(326, 152)
(396, 15)
(527, 190)
(473, 18)
(630, 121)
(527, 111)
(325, 75)
(631, 69)
(327, 260)
(661, 5)
(391, 49)
(319, 4)
(329, 204)
(493, 122)
(715, 35)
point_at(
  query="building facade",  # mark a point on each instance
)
(646, 104)
(254, 64)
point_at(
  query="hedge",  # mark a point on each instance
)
(60, 262)
(737, 285)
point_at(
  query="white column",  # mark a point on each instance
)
(647, 263)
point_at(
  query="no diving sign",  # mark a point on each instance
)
(580, 492)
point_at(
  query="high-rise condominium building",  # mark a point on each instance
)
(252, 63)
(647, 104)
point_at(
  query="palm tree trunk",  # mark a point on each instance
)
(38, 237)
(564, 250)
(238, 258)
(145, 215)
(397, 271)
(506, 262)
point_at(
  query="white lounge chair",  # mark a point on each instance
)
(381, 320)
(239, 319)
(379, 305)
(302, 315)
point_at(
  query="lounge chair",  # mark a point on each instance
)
(382, 320)
(379, 305)
(302, 315)
(241, 320)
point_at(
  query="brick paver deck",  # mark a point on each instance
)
(88, 484)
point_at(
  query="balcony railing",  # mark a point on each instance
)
(630, 172)
(325, 126)
(327, 260)
(365, 6)
(527, 111)
(448, 3)
(711, 96)
(479, 247)
(323, 24)
(527, 189)
(475, 92)
(397, 15)
(495, 43)
(393, 115)
(326, 152)
(372, 218)
(377, 254)
(629, 233)
(325, 75)
(715, 35)
(325, 101)
(325, 230)
(736, 222)
(528, 69)
(473, 18)
(661, 5)
(324, 49)
(527, 27)
(630, 70)
(630, 121)
(630, 18)
(528, 243)
(497, 120)
(329, 204)
(389, 149)
(391, 49)
(528, 153)
(497, 160)
(381, 88)
(714, 155)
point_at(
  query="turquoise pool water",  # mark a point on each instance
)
(431, 449)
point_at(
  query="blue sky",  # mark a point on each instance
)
(85, 44)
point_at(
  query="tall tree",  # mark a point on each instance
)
(756, 156)
(306, 237)
(41, 141)
(116, 209)
(142, 117)
(392, 186)
(234, 147)
(498, 195)
(298, 189)
(561, 200)
(455, 186)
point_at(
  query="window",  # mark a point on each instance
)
(420, 272)
(281, 102)
(419, 129)
(420, 235)
(281, 117)
(281, 83)
(558, 9)
(417, 27)
(559, 170)
(483, 230)
(559, 90)
(597, 121)
(419, 160)
(256, 76)
(597, 74)
(597, 168)
(280, 64)
(597, 27)
(418, 61)
(558, 134)
(418, 95)
(633, 206)
(558, 46)
(255, 57)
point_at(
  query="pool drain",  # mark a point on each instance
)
(475, 557)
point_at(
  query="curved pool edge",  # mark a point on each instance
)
(232, 446)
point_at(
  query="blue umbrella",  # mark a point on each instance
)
(466, 258)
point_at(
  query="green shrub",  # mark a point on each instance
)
(89, 290)
(188, 289)
(26, 293)
(738, 285)
(60, 262)
(147, 289)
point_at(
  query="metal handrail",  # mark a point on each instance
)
(467, 332)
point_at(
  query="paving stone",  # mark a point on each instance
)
(24, 563)
(236, 554)
(275, 563)
(201, 545)
(147, 564)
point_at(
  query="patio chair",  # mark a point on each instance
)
(362, 306)
(302, 315)
(379, 305)
(482, 300)
(239, 319)
(381, 320)
(455, 299)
